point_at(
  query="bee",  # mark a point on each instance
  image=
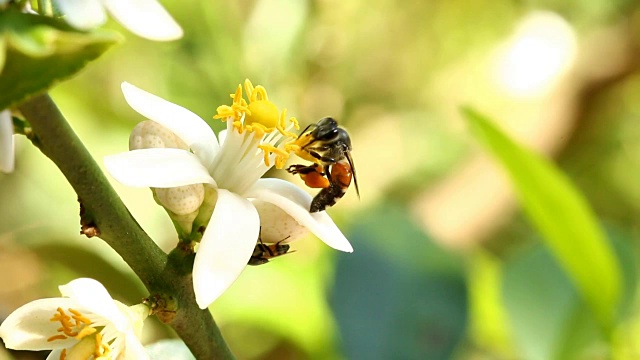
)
(328, 146)
(263, 252)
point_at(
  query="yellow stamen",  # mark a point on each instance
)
(78, 317)
(65, 321)
(58, 316)
(280, 154)
(282, 125)
(259, 116)
(63, 354)
(86, 331)
(99, 351)
(56, 337)
(102, 351)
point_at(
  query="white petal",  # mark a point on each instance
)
(82, 14)
(189, 127)
(133, 348)
(226, 246)
(7, 146)
(222, 135)
(145, 18)
(29, 327)
(296, 202)
(93, 296)
(137, 314)
(160, 168)
(55, 354)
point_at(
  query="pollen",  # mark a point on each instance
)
(261, 118)
(76, 325)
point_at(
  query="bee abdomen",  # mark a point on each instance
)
(327, 197)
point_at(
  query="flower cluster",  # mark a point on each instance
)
(86, 323)
(238, 206)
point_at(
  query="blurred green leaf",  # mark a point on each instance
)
(398, 296)
(546, 314)
(553, 323)
(38, 51)
(85, 263)
(562, 215)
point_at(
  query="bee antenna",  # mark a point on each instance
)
(353, 170)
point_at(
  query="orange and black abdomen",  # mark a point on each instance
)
(341, 176)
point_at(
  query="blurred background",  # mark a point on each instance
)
(445, 266)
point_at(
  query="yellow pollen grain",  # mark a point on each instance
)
(63, 354)
(56, 337)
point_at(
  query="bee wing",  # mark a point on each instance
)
(353, 171)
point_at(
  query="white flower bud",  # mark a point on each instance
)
(276, 225)
(150, 134)
(181, 200)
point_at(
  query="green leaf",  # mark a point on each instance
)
(36, 52)
(399, 296)
(562, 216)
(550, 324)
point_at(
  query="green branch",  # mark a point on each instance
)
(115, 225)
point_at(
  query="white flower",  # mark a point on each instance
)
(85, 322)
(145, 18)
(7, 146)
(254, 139)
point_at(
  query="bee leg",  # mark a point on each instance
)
(304, 170)
(324, 159)
(295, 169)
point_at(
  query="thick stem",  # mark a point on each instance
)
(118, 228)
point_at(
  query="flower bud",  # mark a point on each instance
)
(277, 225)
(149, 134)
(181, 200)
